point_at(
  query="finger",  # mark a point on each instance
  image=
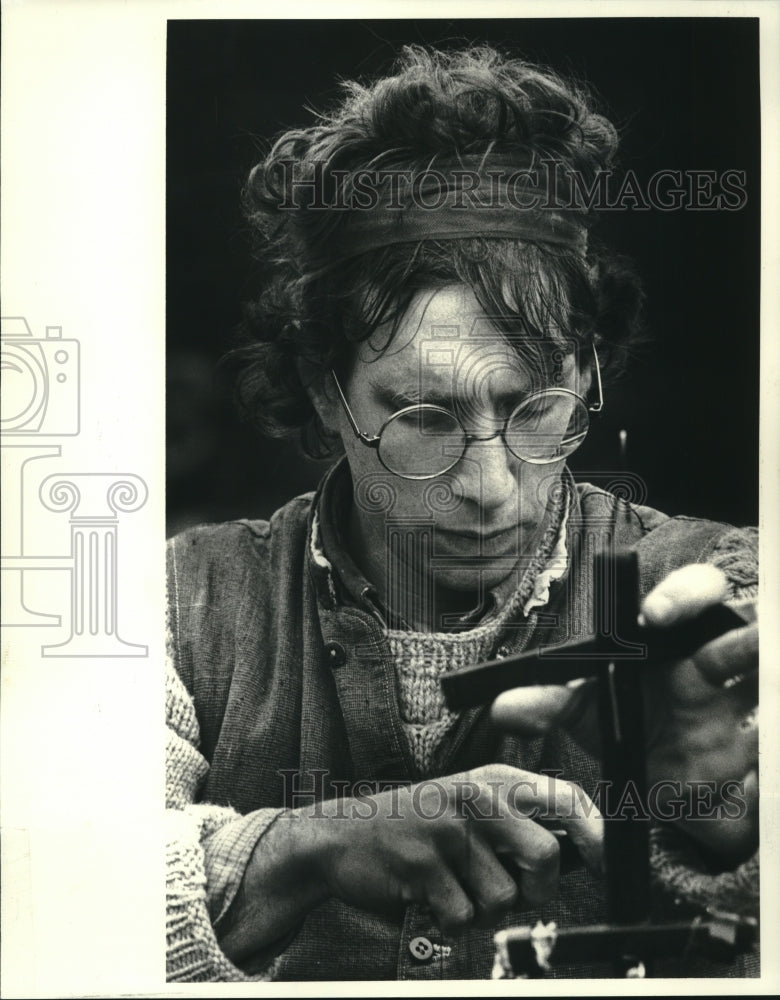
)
(747, 738)
(731, 655)
(549, 799)
(742, 692)
(448, 902)
(536, 854)
(745, 608)
(684, 593)
(491, 888)
(733, 836)
(731, 841)
(532, 711)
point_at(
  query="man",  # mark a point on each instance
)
(434, 309)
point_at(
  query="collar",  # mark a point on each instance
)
(327, 544)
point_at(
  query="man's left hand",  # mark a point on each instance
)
(700, 720)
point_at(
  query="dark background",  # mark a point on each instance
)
(685, 95)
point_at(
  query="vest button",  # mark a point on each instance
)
(421, 948)
(335, 654)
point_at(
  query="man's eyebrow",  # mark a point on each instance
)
(394, 397)
(408, 396)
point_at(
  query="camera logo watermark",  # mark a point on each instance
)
(40, 381)
(41, 402)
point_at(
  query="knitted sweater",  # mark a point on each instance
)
(421, 658)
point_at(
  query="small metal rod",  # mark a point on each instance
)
(613, 700)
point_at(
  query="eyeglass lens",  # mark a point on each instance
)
(421, 441)
(424, 441)
(548, 426)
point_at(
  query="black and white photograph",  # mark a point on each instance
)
(390, 469)
(463, 651)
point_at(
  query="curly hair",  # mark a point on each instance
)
(438, 106)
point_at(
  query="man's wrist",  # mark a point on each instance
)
(284, 880)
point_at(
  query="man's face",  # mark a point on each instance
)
(487, 509)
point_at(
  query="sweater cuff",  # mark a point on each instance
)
(193, 953)
(736, 553)
(682, 873)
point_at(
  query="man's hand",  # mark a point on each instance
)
(700, 724)
(441, 844)
(464, 846)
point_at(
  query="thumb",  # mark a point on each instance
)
(533, 711)
(684, 593)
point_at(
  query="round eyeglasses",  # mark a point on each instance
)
(423, 441)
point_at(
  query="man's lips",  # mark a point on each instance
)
(474, 535)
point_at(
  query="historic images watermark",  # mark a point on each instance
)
(547, 186)
(668, 800)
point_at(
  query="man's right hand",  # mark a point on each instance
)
(439, 843)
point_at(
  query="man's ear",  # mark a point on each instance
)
(322, 393)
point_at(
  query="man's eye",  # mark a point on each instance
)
(541, 409)
(426, 419)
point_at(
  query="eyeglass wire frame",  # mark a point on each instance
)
(372, 441)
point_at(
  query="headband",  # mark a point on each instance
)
(476, 196)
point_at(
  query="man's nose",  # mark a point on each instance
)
(488, 472)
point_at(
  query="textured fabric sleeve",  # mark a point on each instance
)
(736, 553)
(207, 851)
(677, 865)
